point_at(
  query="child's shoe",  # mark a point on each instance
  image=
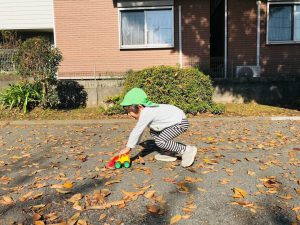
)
(188, 156)
(165, 158)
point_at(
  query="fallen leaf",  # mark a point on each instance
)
(239, 193)
(298, 217)
(296, 208)
(297, 190)
(112, 182)
(81, 222)
(149, 194)
(201, 189)
(36, 217)
(75, 198)
(192, 180)
(250, 173)
(25, 197)
(6, 200)
(102, 216)
(73, 219)
(62, 191)
(175, 219)
(68, 185)
(287, 197)
(153, 208)
(39, 222)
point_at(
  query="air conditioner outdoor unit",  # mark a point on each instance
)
(248, 71)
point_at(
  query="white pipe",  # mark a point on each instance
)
(258, 34)
(225, 40)
(180, 37)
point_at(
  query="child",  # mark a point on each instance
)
(165, 121)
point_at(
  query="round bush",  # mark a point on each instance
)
(188, 88)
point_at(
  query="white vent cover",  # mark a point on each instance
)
(248, 71)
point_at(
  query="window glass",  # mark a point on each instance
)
(297, 23)
(153, 28)
(132, 28)
(159, 26)
(280, 23)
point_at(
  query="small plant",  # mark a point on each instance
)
(38, 59)
(23, 95)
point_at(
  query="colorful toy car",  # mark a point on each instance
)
(119, 161)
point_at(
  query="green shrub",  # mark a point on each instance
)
(24, 96)
(188, 88)
(217, 109)
(38, 59)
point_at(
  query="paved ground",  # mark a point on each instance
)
(260, 157)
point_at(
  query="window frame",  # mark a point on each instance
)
(145, 46)
(293, 4)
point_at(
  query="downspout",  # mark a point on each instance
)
(258, 37)
(180, 37)
(54, 30)
(225, 40)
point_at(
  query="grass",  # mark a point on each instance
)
(250, 109)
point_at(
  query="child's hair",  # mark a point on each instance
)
(132, 108)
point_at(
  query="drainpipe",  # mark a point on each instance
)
(225, 40)
(180, 37)
(258, 36)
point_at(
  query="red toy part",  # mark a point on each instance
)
(111, 164)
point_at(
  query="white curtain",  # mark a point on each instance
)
(132, 26)
(280, 23)
(297, 23)
(159, 26)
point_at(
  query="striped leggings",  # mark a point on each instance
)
(164, 139)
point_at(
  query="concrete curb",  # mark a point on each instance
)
(116, 121)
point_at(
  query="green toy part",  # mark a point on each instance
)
(126, 164)
(118, 165)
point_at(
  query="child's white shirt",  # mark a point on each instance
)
(157, 118)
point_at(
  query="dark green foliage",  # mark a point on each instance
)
(71, 95)
(188, 88)
(37, 59)
(24, 96)
(217, 109)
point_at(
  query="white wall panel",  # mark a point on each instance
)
(26, 14)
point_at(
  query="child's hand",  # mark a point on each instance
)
(124, 151)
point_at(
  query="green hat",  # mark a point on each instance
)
(136, 96)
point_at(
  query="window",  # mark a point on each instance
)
(283, 23)
(146, 28)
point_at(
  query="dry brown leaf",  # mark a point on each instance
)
(54, 186)
(224, 181)
(239, 193)
(37, 196)
(63, 191)
(51, 216)
(250, 173)
(73, 219)
(36, 217)
(117, 203)
(140, 160)
(153, 208)
(81, 222)
(149, 194)
(68, 185)
(39, 222)
(175, 219)
(102, 216)
(37, 206)
(25, 197)
(297, 190)
(298, 217)
(6, 200)
(201, 189)
(75, 198)
(192, 180)
(112, 182)
(287, 197)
